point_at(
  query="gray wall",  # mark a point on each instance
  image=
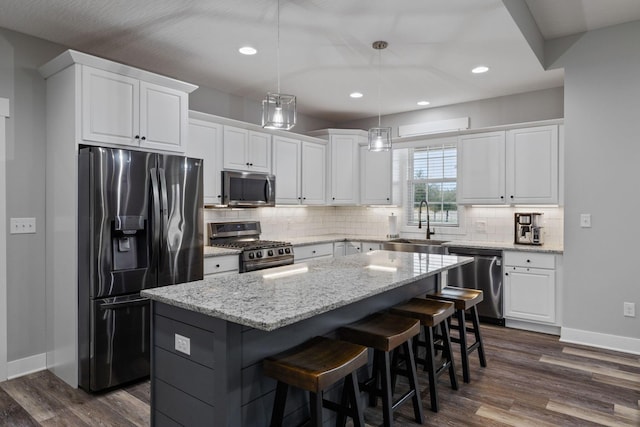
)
(518, 108)
(602, 155)
(20, 82)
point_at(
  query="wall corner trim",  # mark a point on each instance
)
(4, 107)
(27, 365)
(596, 339)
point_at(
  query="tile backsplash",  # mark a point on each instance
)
(493, 224)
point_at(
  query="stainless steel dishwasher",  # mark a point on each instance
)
(485, 273)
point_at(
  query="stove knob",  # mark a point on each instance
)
(259, 254)
(270, 253)
(287, 250)
(251, 256)
(280, 251)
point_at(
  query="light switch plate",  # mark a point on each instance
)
(585, 220)
(22, 226)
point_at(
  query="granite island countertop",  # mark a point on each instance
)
(267, 301)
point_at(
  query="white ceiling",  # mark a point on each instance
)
(325, 45)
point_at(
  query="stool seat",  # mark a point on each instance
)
(316, 364)
(382, 332)
(429, 312)
(463, 298)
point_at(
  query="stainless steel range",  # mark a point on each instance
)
(256, 254)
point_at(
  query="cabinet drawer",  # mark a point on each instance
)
(220, 264)
(529, 259)
(370, 246)
(201, 342)
(313, 251)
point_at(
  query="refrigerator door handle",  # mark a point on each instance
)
(164, 210)
(155, 213)
(123, 304)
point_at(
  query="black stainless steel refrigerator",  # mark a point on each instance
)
(139, 227)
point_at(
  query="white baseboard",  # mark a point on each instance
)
(27, 365)
(596, 339)
(531, 326)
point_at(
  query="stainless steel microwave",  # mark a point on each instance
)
(248, 189)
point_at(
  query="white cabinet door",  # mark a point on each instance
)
(351, 248)
(344, 170)
(218, 265)
(529, 294)
(339, 249)
(370, 246)
(259, 152)
(375, 177)
(205, 142)
(532, 165)
(314, 160)
(163, 118)
(286, 168)
(320, 250)
(481, 164)
(110, 107)
(235, 148)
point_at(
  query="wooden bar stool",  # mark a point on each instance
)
(431, 315)
(384, 333)
(315, 365)
(464, 299)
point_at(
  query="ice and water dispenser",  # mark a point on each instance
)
(129, 243)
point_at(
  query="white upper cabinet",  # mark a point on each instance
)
(375, 177)
(246, 150)
(532, 165)
(482, 168)
(343, 170)
(122, 110)
(205, 142)
(519, 166)
(287, 154)
(299, 167)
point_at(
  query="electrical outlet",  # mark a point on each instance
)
(629, 309)
(585, 220)
(22, 226)
(183, 344)
(481, 226)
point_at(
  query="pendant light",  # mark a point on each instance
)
(379, 138)
(278, 110)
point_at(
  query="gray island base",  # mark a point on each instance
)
(209, 337)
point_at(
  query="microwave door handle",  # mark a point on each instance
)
(164, 210)
(267, 190)
(155, 208)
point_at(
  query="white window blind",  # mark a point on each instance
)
(433, 176)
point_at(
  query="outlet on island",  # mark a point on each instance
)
(183, 344)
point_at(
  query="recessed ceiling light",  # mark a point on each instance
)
(423, 103)
(356, 95)
(480, 69)
(247, 50)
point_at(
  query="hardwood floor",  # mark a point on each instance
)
(531, 379)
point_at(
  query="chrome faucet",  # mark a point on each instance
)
(429, 232)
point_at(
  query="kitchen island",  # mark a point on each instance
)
(209, 337)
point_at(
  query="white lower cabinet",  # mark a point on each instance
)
(353, 247)
(224, 264)
(530, 292)
(370, 246)
(306, 252)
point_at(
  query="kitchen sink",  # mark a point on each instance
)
(429, 246)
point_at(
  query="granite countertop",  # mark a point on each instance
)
(554, 249)
(315, 287)
(214, 251)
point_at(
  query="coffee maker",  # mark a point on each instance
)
(527, 229)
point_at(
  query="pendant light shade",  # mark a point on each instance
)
(278, 109)
(379, 138)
